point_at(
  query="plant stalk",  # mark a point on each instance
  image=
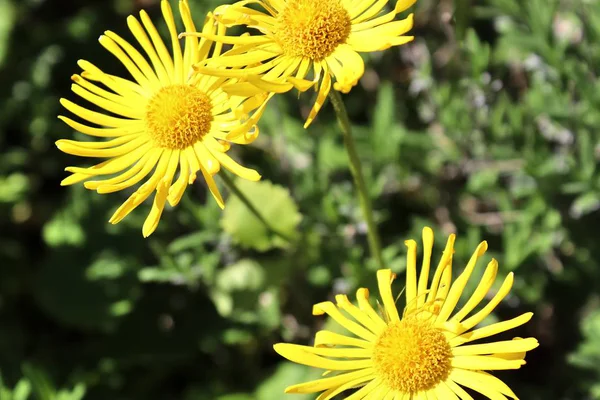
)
(357, 174)
(240, 195)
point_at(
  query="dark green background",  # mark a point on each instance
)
(487, 125)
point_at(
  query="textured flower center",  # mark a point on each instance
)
(412, 356)
(178, 116)
(312, 28)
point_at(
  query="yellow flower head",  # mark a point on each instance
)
(300, 35)
(426, 352)
(163, 121)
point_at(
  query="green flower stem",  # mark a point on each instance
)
(240, 195)
(357, 174)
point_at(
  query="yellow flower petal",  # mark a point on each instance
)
(384, 281)
(333, 382)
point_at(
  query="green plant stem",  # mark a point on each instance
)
(357, 174)
(240, 195)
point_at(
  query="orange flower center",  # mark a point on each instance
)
(178, 116)
(411, 356)
(312, 28)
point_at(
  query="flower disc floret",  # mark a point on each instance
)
(412, 356)
(178, 116)
(312, 28)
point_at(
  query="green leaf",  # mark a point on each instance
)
(243, 292)
(236, 396)
(274, 203)
(285, 375)
(7, 21)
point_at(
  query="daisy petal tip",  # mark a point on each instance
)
(410, 243)
(363, 293)
(279, 348)
(149, 227)
(318, 308)
(290, 390)
(482, 248)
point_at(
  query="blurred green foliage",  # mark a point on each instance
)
(486, 125)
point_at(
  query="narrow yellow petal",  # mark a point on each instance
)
(327, 339)
(190, 55)
(401, 6)
(492, 382)
(506, 346)
(385, 277)
(137, 58)
(195, 166)
(208, 162)
(344, 304)
(485, 363)
(446, 258)
(240, 60)
(108, 105)
(178, 188)
(160, 198)
(75, 148)
(411, 274)
(361, 393)
(131, 103)
(424, 276)
(98, 118)
(444, 392)
(142, 193)
(353, 353)
(333, 382)
(234, 167)
(356, 8)
(460, 283)
(330, 309)
(270, 85)
(324, 89)
(159, 45)
(176, 47)
(460, 392)
(362, 295)
(129, 178)
(113, 165)
(479, 316)
(74, 178)
(110, 45)
(491, 330)
(353, 67)
(300, 355)
(140, 34)
(254, 40)
(486, 282)
(102, 132)
(286, 67)
(367, 44)
(467, 379)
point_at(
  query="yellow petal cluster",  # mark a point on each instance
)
(304, 44)
(425, 352)
(160, 121)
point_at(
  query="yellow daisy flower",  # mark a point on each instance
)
(164, 120)
(427, 353)
(297, 35)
